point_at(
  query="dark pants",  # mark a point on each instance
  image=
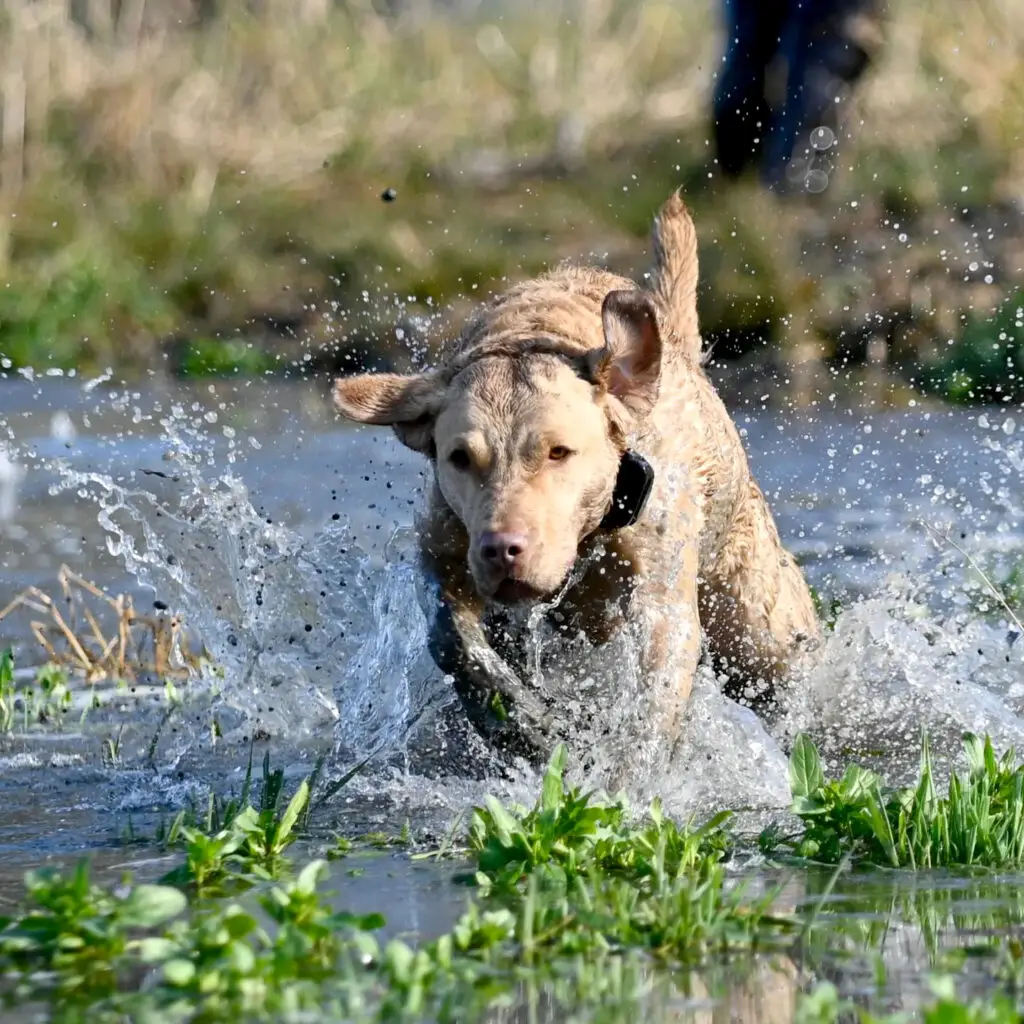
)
(822, 60)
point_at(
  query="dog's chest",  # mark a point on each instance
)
(552, 655)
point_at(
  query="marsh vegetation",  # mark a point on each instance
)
(199, 186)
(579, 901)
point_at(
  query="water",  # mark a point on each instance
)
(283, 539)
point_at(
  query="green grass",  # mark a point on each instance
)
(986, 363)
(827, 612)
(212, 357)
(979, 822)
(577, 900)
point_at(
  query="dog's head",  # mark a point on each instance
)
(526, 438)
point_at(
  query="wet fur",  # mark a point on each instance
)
(706, 552)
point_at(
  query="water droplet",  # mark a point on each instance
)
(823, 138)
(816, 182)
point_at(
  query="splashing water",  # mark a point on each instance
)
(320, 638)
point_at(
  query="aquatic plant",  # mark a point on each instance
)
(570, 833)
(979, 822)
(50, 698)
(646, 884)
(6, 689)
(823, 1005)
(43, 699)
(240, 843)
(80, 933)
(571, 891)
(577, 898)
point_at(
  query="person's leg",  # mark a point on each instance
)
(827, 46)
(740, 109)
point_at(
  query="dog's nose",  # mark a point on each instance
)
(502, 549)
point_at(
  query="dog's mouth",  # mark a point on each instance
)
(511, 591)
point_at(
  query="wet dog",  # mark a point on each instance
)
(582, 458)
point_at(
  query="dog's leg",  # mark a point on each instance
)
(661, 614)
(500, 707)
(672, 649)
(755, 604)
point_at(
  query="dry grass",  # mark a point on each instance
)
(274, 96)
(173, 102)
(948, 90)
(158, 167)
(74, 639)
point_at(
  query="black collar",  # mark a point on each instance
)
(632, 489)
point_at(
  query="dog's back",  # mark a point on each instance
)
(565, 303)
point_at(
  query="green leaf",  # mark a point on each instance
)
(241, 957)
(856, 783)
(238, 923)
(310, 876)
(805, 774)
(880, 826)
(714, 824)
(656, 813)
(504, 824)
(807, 806)
(991, 766)
(552, 793)
(399, 957)
(7, 666)
(293, 810)
(150, 905)
(245, 824)
(153, 950)
(179, 972)
(358, 922)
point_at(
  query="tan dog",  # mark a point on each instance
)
(533, 422)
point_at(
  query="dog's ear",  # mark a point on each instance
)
(629, 365)
(408, 404)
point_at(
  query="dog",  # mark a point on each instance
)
(583, 461)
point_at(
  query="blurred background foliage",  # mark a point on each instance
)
(197, 184)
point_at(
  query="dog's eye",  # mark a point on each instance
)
(459, 458)
(558, 453)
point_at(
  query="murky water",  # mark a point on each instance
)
(283, 538)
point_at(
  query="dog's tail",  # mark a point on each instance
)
(674, 281)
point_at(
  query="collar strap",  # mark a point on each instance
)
(633, 486)
(506, 347)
